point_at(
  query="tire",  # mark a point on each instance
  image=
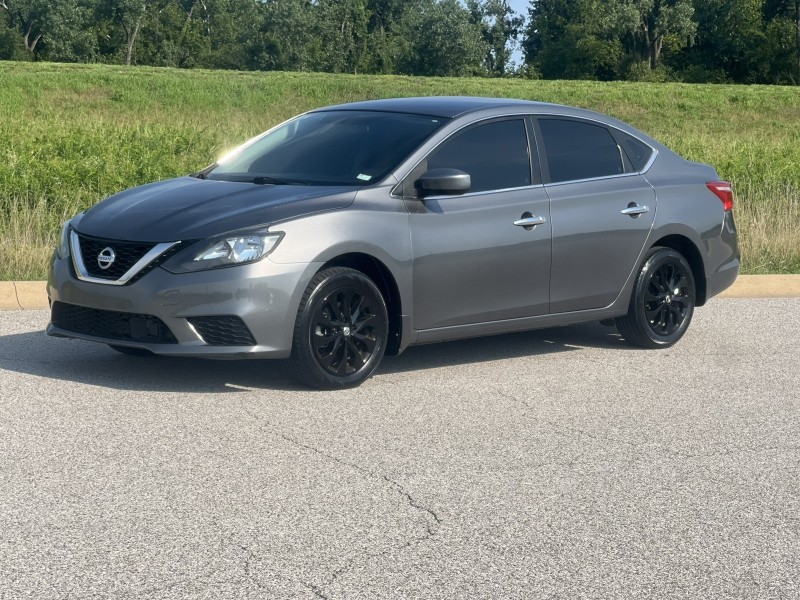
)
(132, 351)
(341, 330)
(662, 302)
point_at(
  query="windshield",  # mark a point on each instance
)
(329, 148)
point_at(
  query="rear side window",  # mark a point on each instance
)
(495, 155)
(578, 150)
(637, 152)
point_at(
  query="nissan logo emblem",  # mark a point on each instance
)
(106, 258)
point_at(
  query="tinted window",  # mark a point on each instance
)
(579, 150)
(495, 155)
(331, 147)
(637, 152)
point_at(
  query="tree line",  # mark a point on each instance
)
(745, 41)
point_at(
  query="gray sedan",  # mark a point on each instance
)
(354, 231)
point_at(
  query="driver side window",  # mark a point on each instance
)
(495, 155)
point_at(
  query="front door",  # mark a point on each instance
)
(472, 263)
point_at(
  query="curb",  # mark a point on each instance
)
(23, 295)
(764, 286)
(32, 295)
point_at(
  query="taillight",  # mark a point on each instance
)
(723, 191)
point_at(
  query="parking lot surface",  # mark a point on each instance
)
(552, 464)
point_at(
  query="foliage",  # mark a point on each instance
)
(11, 45)
(500, 26)
(728, 41)
(646, 25)
(744, 41)
(748, 41)
(573, 39)
(441, 40)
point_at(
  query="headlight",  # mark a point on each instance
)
(237, 249)
(62, 250)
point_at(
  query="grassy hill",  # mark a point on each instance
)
(72, 134)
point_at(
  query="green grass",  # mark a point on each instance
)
(72, 134)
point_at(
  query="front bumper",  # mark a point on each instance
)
(264, 295)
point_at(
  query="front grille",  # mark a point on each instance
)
(227, 330)
(111, 324)
(127, 255)
(156, 262)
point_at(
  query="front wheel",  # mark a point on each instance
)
(662, 302)
(340, 331)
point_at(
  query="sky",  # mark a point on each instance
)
(520, 7)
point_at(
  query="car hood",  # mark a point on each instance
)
(188, 208)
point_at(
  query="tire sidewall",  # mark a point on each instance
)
(348, 278)
(657, 258)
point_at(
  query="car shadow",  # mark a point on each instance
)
(34, 353)
(505, 346)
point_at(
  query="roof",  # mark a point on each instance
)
(455, 106)
(436, 106)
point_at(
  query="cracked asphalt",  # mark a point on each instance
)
(550, 464)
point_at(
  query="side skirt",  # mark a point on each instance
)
(442, 334)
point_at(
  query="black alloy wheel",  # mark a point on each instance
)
(344, 334)
(666, 299)
(662, 302)
(341, 330)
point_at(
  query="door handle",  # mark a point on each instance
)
(634, 210)
(528, 221)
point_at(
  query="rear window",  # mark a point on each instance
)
(579, 150)
(637, 151)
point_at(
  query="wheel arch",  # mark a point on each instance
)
(380, 274)
(690, 252)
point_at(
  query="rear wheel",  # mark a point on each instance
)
(662, 302)
(341, 330)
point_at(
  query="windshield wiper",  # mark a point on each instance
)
(204, 173)
(266, 179)
(250, 178)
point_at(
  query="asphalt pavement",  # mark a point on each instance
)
(553, 464)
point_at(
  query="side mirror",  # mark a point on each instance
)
(443, 181)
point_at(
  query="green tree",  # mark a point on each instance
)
(649, 23)
(441, 39)
(573, 39)
(11, 44)
(129, 15)
(174, 33)
(286, 39)
(227, 26)
(68, 32)
(500, 27)
(729, 36)
(781, 15)
(342, 27)
(28, 17)
(54, 29)
(384, 44)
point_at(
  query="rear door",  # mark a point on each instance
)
(472, 264)
(601, 209)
